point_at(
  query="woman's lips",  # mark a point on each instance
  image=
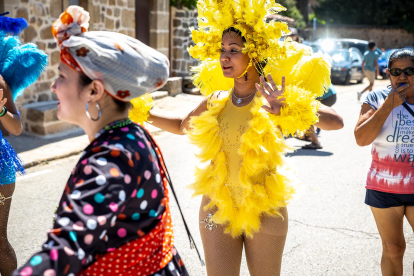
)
(226, 68)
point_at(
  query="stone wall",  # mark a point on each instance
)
(384, 37)
(159, 25)
(109, 15)
(181, 21)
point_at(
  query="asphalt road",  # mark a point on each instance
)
(331, 230)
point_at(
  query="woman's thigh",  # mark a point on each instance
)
(265, 250)
(222, 252)
(390, 224)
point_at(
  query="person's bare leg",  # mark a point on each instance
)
(314, 139)
(409, 214)
(265, 250)
(223, 253)
(8, 261)
(390, 227)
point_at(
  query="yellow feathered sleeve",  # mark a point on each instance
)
(307, 77)
(141, 107)
(299, 112)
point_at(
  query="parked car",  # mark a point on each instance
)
(330, 44)
(383, 62)
(346, 65)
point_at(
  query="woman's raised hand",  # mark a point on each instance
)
(3, 101)
(397, 96)
(272, 94)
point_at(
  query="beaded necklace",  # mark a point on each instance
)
(118, 124)
(113, 125)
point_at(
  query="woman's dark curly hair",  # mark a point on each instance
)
(401, 54)
(84, 80)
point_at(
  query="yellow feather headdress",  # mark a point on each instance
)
(247, 16)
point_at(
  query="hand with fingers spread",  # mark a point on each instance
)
(272, 94)
(3, 101)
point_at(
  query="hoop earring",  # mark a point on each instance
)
(245, 77)
(89, 115)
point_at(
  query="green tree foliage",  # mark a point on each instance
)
(292, 12)
(368, 12)
(191, 4)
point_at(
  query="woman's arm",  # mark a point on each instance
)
(11, 120)
(329, 119)
(371, 121)
(176, 125)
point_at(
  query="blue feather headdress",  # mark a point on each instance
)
(20, 65)
(12, 26)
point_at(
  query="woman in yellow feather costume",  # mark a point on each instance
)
(240, 132)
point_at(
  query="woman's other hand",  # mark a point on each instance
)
(3, 101)
(397, 97)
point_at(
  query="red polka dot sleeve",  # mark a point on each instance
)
(113, 196)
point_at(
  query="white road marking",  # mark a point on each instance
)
(32, 175)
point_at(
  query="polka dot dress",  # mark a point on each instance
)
(115, 198)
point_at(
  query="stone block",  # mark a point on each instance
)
(39, 22)
(131, 4)
(120, 3)
(46, 33)
(117, 24)
(112, 2)
(55, 57)
(117, 12)
(109, 12)
(40, 87)
(159, 95)
(41, 112)
(50, 74)
(29, 34)
(22, 12)
(39, 10)
(176, 22)
(56, 8)
(128, 19)
(192, 91)
(109, 24)
(173, 86)
(95, 18)
(178, 53)
(58, 127)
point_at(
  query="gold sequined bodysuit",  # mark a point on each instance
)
(233, 122)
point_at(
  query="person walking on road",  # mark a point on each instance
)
(244, 186)
(370, 67)
(386, 122)
(114, 216)
(20, 66)
(328, 99)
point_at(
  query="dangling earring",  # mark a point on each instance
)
(245, 77)
(89, 115)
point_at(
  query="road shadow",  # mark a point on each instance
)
(303, 152)
(26, 142)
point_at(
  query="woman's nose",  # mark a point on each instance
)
(53, 86)
(224, 57)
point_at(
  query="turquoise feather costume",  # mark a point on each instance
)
(20, 66)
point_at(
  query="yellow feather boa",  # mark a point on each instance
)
(262, 149)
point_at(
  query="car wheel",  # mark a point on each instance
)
(347, 79)
(360, 80)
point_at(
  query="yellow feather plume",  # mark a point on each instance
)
(141, 107)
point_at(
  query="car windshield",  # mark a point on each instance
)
(339, 56)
